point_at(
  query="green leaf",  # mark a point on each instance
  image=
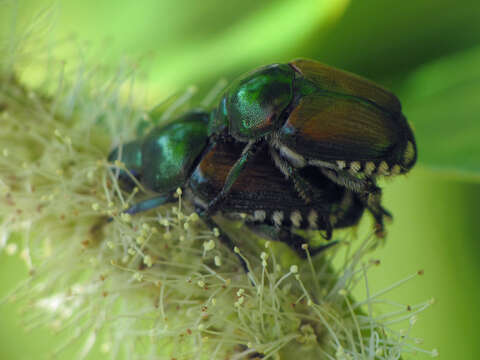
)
(442, 100)
(260, 37)
(179, 42)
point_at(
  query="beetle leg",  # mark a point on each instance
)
(372, 202)
(247, 154)
(147, 204)
(328, 229)
(303, 187)
(369, 193)
(285, 235)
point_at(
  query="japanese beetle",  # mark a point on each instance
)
(311, 114)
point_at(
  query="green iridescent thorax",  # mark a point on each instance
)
(168, 153)
(254, 103)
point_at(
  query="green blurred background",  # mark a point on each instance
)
(427, 51)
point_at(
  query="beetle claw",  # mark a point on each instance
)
(380, 231)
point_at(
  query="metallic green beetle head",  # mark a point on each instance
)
(162, 160)
(253, 105)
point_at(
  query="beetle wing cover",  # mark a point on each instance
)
(338, 81)
(329, 127)
(341, 116)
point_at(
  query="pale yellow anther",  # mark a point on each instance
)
(209, 245)
(193, 217)
(240, 301)
(147, 260)
(125, 217)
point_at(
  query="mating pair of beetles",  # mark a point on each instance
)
(291, 146)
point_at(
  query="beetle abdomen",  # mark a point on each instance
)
(262, 195)
(343, 213)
